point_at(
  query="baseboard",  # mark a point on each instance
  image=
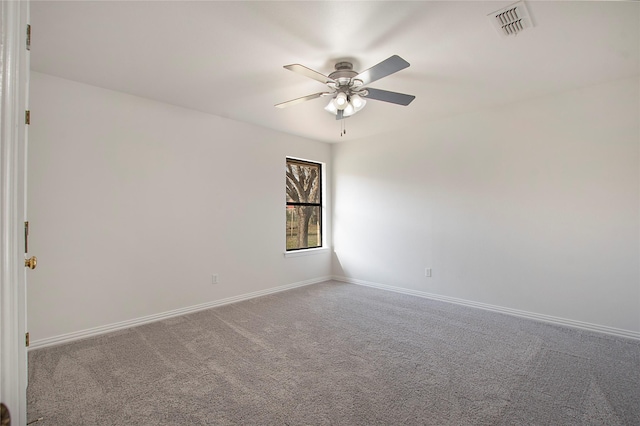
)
(96, 331)
(516, 312)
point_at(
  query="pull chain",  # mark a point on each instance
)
(343, 128)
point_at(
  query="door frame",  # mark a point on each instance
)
(14, 66)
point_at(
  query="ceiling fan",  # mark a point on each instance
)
(347, 87)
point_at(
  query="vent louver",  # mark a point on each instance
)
(511, 20)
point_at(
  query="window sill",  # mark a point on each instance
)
(306, 252)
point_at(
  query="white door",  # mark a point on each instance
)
(14, 75)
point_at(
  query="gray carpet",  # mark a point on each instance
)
(339, 354)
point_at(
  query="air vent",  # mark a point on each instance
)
(511, 20)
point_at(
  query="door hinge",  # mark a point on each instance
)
(26, 339)
(27, 117)
(28, 37)
(26, 237)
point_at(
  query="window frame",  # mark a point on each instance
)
(320, 204)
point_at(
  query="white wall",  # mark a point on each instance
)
(134, 204)
(532, 206)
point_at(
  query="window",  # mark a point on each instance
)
(304, 204)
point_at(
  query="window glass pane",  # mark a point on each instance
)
(303, 182)
(303, 227)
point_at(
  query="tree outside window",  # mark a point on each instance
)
(304, 204)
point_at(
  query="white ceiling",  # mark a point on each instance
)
(226, 58)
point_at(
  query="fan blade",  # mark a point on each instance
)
(386, 96)
(308, 72)
(300, 100)
(387, 67)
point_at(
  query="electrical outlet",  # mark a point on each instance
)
(427, 272)
(214, 279)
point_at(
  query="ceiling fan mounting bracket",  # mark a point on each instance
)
(344, 65)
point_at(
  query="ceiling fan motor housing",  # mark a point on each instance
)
(344, 73)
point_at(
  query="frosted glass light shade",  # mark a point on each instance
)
(349, 110)
(358, 102)
(341, 101)
(331, 107)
